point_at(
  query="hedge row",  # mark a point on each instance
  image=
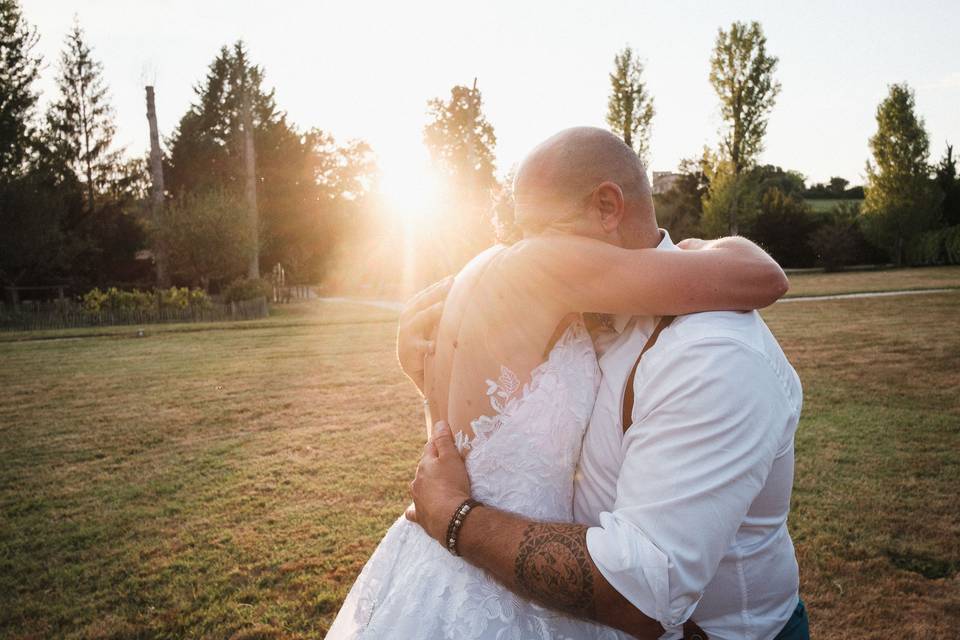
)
(935, 247)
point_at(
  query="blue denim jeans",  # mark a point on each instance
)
(797, 627)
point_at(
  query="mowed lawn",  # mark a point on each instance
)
(819, 284)
(228, 481)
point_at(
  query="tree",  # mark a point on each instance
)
(307, 185)
(81, 119)
(839, 242)
(33, 245)
(838, 186)
(768, 176)
(78, 151)
(206, 236)
(461, 141)
(206, 150)
(19, 69)
(680, 209)
(726, 192)
(901, 202)
(741, 73)
(630, 105)
(946, 179)
(461, 144)
(783, 227)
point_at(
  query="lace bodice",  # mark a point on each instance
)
(521, 458)
(523, 455)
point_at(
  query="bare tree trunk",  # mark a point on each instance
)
(156, 191)
(250, 166)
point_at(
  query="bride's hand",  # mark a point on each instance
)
(417, 326)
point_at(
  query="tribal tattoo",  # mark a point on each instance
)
(554, 567)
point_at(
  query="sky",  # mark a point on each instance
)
(365, 69)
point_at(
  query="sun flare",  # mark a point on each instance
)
(411, 190)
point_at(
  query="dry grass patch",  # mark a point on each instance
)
(231, 481)
(818, 284)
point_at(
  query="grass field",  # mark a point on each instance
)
(228, 481)
(818, 283)
(825, 205)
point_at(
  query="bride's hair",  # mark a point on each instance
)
(504, 218)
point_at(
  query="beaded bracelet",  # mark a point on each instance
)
(453, 529)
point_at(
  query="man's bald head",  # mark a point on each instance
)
(555, 180)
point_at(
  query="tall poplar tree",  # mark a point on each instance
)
(901, 201)
(741, 73)
(630, 105)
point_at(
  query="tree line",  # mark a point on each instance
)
(75, 208)
(907, 213)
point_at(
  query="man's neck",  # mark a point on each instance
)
(647, 239)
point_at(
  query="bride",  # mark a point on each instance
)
(515, 375)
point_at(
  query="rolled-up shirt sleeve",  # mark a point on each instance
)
(709, 420)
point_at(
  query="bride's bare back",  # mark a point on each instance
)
(491, 324)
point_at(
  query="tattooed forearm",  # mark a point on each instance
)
(554, 567)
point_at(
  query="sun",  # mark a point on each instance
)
(411, 189)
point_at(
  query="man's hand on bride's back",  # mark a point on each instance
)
(441, 484)
(417, 327)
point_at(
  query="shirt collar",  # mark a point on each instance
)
(621, 321)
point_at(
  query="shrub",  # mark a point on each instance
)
(247, 289)
(93, 300)
(839, 242)
(184, 297)
(951, 244)
(200, 299)
(114, 299)
(926, 248)
(835, 245)
(136, 300)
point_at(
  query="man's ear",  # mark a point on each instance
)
(608, 201)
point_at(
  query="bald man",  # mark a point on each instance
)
(683, 488)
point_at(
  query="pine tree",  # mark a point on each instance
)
(81, 121)
(304, 181)
(19, 69)
(741, 73)
(33, 202)
(206, 150)
(900, 200)
(630, 105)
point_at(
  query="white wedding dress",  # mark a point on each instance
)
(522, 459)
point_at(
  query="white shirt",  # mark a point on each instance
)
(688, 509)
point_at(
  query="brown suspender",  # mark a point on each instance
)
(627, 413)
(691, 631)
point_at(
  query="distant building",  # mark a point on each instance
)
(663, 181)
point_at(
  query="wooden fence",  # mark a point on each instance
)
(57, 315)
